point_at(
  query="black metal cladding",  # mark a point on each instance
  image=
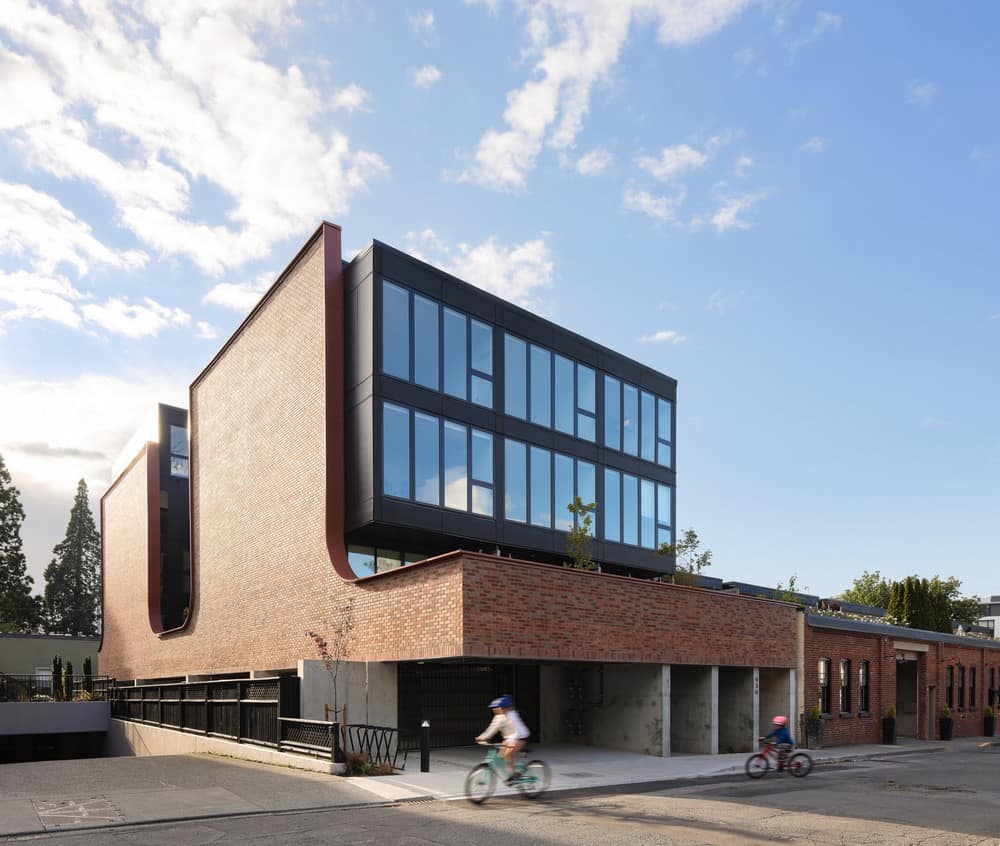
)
(377, 520)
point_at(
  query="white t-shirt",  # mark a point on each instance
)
(510, 725)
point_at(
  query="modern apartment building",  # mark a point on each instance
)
(385, 449)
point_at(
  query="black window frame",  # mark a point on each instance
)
(949, 686)
(972, 688)
(864, 678)
(845, 685)
(823, 677)
(961, 687)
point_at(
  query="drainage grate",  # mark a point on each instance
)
(91, 810)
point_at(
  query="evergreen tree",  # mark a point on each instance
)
(72, 579)
(894, 610)
(19, 610)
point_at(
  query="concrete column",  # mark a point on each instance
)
(792, 700)
(756, 703)
(665, 701)
(715, 711)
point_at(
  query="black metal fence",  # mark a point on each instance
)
(260, 711)
(39, 688)
(381, 744)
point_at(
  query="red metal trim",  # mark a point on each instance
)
(333, 296)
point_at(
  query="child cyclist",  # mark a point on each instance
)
(781, 738)
(515, 733)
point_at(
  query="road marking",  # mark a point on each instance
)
(91, 810)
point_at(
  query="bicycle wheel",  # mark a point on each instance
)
(479, 783)
(534, 781)
(757, 766)
(800, 764)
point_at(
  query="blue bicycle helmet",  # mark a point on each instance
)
(502, 702)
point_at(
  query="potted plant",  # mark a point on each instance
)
(814, 728)
(889, 725)
(945, 723)
(989, 722)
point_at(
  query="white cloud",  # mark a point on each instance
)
(666, 336)
(206, 330)
(663, 209)
(825, 22)
(921, 93)
(515, 272)
(423, 22)
(239, 296)
(743, 164)
(135, 321)
(592, 163)
(351, 98)
(672, 162)
(35, 296)
(728, 215)
(424, 77)
(39, 231)
(576, 45)
(813, 145)
(145, 102)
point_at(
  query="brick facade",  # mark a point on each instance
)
(880, 650)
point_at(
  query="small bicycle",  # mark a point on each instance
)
(758, 765)
(531, 778)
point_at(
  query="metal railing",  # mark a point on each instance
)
(39, 688)
(381, 744)
(244, 710)
(311, 737)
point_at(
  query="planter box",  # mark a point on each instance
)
(888, 730)
(945, 725)
(989, 723)
(814, 734)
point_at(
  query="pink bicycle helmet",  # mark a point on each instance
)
(780, 721)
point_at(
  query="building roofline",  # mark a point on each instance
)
(820, 621)
(525, 312)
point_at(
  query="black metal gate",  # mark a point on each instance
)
(454, 698)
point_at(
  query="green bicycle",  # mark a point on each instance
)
(531, 778)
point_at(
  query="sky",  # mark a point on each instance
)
(789, 207)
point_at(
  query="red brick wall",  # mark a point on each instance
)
(880, 651)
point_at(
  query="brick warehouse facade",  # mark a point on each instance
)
(908, 669)
(280, 422)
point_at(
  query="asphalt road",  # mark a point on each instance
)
(938, 799)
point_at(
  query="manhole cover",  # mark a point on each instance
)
(61, 813)
(581, 775)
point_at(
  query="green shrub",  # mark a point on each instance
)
(890, 712)
(814, 713)
(987, 711)
(357, 764)
(946, 713)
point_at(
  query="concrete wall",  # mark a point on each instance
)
(629, 716)
(368, 689)
(736, 710)
(24, 654)
(775, 696)
(126, 739)
(691, 710)
(53, 717)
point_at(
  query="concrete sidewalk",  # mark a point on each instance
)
(71, 795)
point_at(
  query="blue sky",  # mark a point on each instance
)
(788, 207)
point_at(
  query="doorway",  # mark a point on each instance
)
(907, 721)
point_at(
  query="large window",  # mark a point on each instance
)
(961, 686)
(992, 692)
(637, 422)
(452, 464)
(549, 389)
(178, 452)
(845, 686)
(436, 347)
(367, 560)
(824, 685)
(949, 686)
(636, 511)
(863, 671)
(541, 484)
(972, 688)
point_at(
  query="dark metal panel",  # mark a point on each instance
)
(528, 537)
